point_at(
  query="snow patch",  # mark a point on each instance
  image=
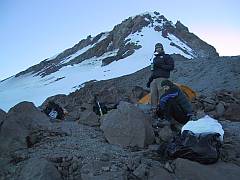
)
(151, 37)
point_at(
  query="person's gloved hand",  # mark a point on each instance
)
(148, 84)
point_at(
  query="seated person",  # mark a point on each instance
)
(174, 105)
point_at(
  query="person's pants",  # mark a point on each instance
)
(174, 111)
(156, 91)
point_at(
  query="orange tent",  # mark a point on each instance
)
(187, 90)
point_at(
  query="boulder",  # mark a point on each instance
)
(220, 109)
(186, 169)
(157, 172)
(165, 133)
(232, 112)
(109, 96)
(39, 169)
(89, 118)
(21, 120)
(127, 126)
(231, 145)
(76, 111)
(141, 171)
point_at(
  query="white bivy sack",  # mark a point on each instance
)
(204, 125)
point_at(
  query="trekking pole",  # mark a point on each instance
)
(98, 104)
(100, 109)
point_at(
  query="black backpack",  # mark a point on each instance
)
(203, 148)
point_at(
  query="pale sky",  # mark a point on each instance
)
(33, 30)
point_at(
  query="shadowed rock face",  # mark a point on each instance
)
(117, 41)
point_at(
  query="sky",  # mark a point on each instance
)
(31, 31)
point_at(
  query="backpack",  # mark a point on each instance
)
(203, 148)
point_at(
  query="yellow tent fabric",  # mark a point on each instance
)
(187, 90)
(145, 99)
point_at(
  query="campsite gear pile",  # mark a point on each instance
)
(199, 141)
(203, 148)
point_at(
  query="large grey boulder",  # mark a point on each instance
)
(127, 126)
(39, 169)
(190, 170)
(21, 120)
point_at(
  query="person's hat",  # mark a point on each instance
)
(166, 83)
(158, 45)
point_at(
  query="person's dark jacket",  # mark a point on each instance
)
(175, 104)
(162, 65)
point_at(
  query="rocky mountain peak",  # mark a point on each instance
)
(116, 44)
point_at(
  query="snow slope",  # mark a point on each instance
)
(30, 87)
